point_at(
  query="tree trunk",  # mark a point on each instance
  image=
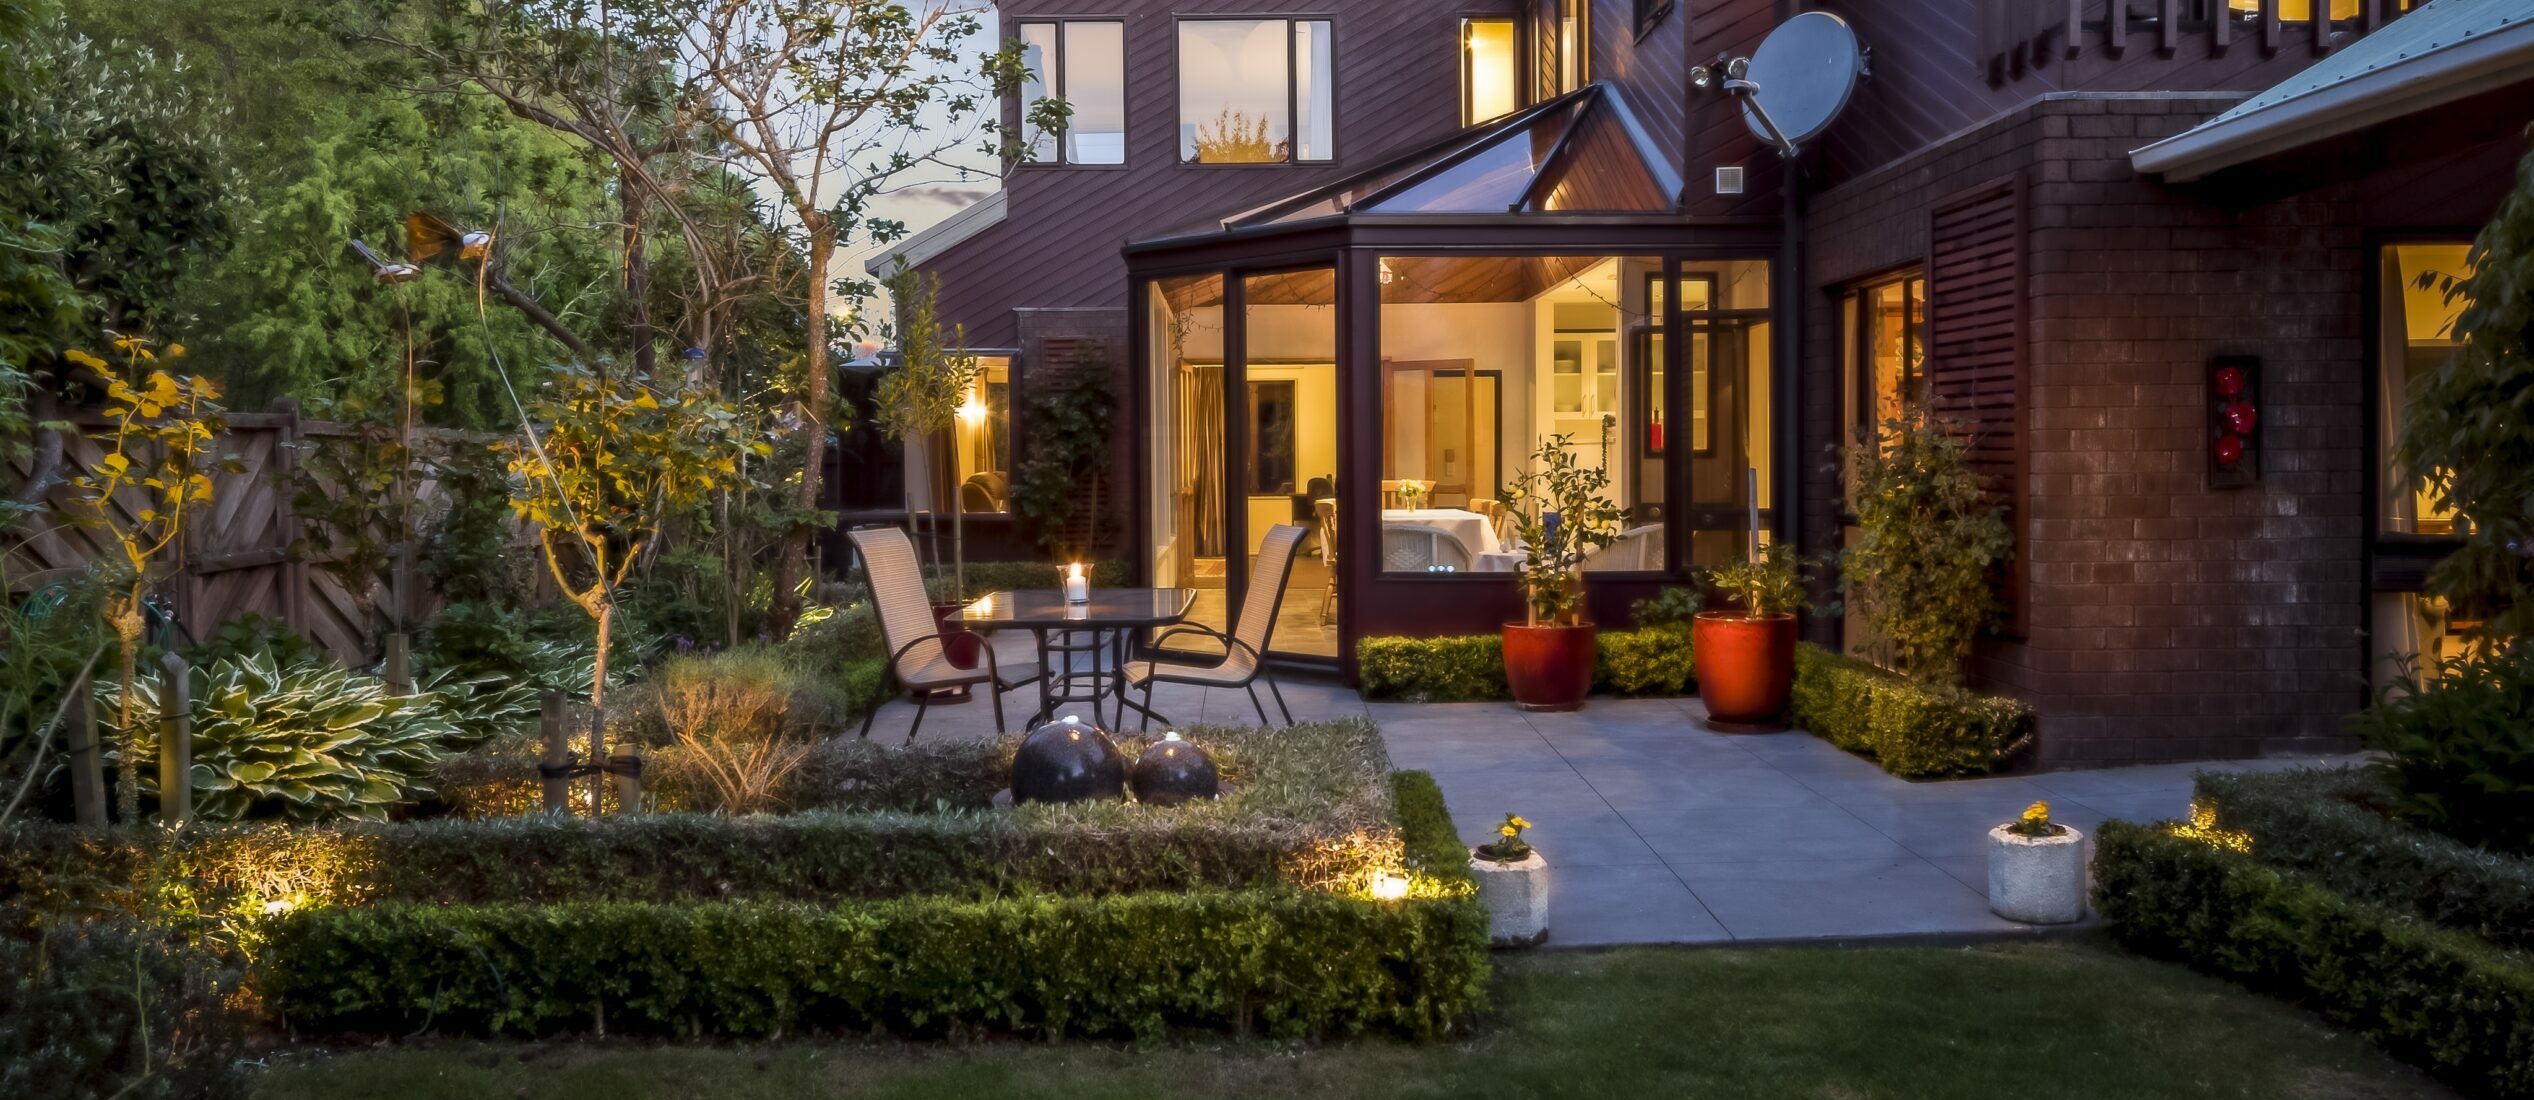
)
(813, 409)
(598, 705)
(637, 278)
(127, 802)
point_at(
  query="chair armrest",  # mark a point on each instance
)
(1229, 642)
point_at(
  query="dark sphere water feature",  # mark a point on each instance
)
(1068, 760)
(1173, 771)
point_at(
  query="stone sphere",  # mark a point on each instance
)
(1068, 760)
(1173, 771)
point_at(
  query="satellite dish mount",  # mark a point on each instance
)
(1796, 83)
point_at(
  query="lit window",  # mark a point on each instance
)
(2302, 11)
(1081, 63)
(1885, 349)
(1488, 62)
(1256, 91)
(2416, 333)
(1574, 40)
(981, 439)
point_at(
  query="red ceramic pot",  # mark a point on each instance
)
(963, 648)
(1746, 669)
(1549, 667)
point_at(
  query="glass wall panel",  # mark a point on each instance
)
(1485, 359)
(1290, 340)
(2416, 331)
(981, 438)
(1188, 499)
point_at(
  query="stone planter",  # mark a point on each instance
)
(1517, 898)
(2037, 880)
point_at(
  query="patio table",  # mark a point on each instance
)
(1108, 624)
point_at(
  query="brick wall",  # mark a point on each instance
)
(2168, 620)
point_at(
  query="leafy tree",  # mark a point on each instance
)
(1929, 536)
(2470, 429)
(1066, 470)
(920, 400)
(1562, 511)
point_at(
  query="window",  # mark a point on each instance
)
(1271, 421)
(1256, 91)
(1574, 43)
(2415, 332)
(1651, 12)
(1886, 348)
(981, 439)
(1082, 63)
(1488, 64)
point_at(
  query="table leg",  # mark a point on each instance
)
(1040, 718)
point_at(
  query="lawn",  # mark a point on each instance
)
(2059, 1019)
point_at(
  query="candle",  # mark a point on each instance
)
(1077, 587)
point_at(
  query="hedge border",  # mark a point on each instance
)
(2317, 823)
(1470, 668)
(1287, 962)
(1912, 730)
(2440, 999)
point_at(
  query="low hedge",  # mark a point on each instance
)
(1911, 729)
(2435, 997)
(1283, 961)
(2323, 824)
(1471, 667)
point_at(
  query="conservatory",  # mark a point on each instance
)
(1377, 360)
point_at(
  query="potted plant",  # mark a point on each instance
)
(1561, 516)
(1513, 881)
(1746, 658)
(2036, 869)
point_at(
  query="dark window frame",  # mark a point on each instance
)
(1859, 370)
(1064, 75)
(1650, 14)
(1293, 105)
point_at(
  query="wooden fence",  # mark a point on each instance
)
(235, 558)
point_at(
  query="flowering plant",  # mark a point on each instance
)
(2036, 822)
(1509, 846)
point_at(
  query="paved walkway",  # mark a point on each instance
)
(1659, 831)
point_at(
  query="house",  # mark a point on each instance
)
(1330, 250)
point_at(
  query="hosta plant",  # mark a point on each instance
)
(309, 742)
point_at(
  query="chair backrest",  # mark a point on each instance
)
(1267, 586)
(1417, 548)
(1390, 491)
(897, 592)
(1326, 511)
(1635, 550)
(1320, 487)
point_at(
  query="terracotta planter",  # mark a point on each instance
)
(1746, 669)
(963, 648)
(1549, 667)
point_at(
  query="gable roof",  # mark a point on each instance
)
(2440, 52)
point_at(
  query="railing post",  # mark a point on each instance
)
(555, 767)
(87, 762)
(176, 742)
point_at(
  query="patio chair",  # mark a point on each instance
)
(1244, 660)
(914, 636)
(1636, 549)
(1417, 548)
(1326, 512)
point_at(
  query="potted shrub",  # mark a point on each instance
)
(1513, 881)
(2036, 869)
(1746, 658)
(1561, 516)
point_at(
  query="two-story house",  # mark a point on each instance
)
(1352, 263)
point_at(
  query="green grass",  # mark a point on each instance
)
(2068, 1018)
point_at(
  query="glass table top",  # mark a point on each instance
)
(1107, 607)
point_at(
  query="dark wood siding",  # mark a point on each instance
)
(1975, 341)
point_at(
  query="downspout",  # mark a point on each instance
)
(1789, 344)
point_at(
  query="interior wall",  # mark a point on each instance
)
(1493, 336)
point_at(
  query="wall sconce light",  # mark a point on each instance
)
(972, 410)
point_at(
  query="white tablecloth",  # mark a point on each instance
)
(1473, 531)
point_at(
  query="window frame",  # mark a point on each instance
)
(1468, 86)
(1293, 104)
(1064, 75)
(1583, 55)
(1650, 14)
(1856, 342)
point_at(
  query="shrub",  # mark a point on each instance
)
(1676, 605)
(2327, 825)
(2434, 997)
(738, 724)
(1928, 536)
(1645, 661)
(310, 742)
(1911, 729)
(2459, 751)
(1471, 667)
(117, 1009)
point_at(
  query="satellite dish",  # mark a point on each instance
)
(1799, 79)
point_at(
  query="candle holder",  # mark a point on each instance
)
(1077, 586)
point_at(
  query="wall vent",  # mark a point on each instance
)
(1729, 179)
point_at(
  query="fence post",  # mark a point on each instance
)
(87, 763)
(556, 766)
(176, 743)
(598, 756)
(400, 663)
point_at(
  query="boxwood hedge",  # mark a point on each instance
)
(1911, 729)
(2438, 998)
(1471, 668)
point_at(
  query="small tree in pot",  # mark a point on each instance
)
(1929, 536)
(1746, 658)
(1562, 516)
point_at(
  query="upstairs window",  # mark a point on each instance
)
(1489, 61)
(1574, 44)
(1649, 13)
(1256, 91)
(1083, 63)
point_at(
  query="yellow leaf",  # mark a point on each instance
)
(175, 351)
(86, 360)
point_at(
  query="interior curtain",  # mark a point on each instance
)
(2393, 367)
(1201, 453)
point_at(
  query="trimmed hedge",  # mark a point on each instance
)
(1471, 667)
(2323, 824)
(2434, 997)
(1283, 961)
(1911, 729)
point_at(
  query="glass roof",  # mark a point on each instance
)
(1576, 153)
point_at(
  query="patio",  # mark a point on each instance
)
(1662, 832)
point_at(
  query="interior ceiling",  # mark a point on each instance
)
(1415, 280)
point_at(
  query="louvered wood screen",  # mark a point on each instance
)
(1975, 344)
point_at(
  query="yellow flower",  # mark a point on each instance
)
(1518, 821)
(2037, 814)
